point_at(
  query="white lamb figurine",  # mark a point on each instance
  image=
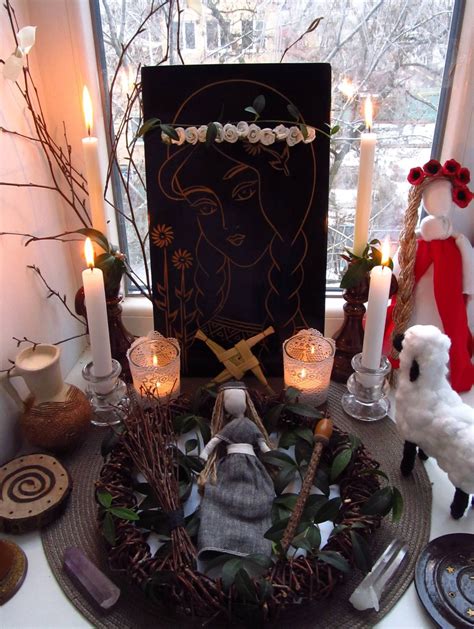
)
(430, 415)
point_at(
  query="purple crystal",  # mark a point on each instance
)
(88, 578)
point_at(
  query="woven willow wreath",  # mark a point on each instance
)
(170, 576)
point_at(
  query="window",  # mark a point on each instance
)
(392, 50)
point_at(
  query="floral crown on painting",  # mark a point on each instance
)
(451, 170)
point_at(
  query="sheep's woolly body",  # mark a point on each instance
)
(429, 412)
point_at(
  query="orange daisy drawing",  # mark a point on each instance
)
(182, 259)
(162, 235)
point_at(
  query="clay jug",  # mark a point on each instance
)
(56, 414)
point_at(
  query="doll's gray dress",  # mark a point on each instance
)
(236, 510)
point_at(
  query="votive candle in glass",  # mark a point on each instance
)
(307, 360)
(155, 365)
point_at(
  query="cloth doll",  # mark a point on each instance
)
(237, 490)
(436, 281)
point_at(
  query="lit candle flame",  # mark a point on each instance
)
(385, 251)
(347, 87)
(87, 108)
(303, 374)
(155, 360)
(369, 113)
(89, 253)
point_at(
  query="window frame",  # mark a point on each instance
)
(445, 111)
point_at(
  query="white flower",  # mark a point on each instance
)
(267, 137)
(231, 133)
(243, 129)
(281, 132)
(191, 134)
(311, 135)
(26, 39)
(202, 132)
(254, 133)
(294, 136)
(12, 66)
(181, 136)
(220, 132)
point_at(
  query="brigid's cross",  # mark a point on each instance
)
(238, 359)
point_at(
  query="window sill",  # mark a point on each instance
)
(138, 315)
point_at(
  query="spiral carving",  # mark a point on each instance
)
(27, 483)
(32, 488)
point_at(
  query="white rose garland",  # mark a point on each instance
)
(242, 131)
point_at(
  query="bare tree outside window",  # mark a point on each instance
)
(392, 49)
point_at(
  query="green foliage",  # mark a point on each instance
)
(257, 106)
(168, 130)
(105, 500)
(383, 501)
(360, 266)
(148, 125)
(334, 559)
(361, 552)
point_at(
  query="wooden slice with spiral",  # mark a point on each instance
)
(33, 490)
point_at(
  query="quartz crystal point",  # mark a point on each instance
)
(88, 578)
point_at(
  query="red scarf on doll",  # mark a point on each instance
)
(447, 280)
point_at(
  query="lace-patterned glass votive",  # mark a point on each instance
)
(307, 359)
(155, 365)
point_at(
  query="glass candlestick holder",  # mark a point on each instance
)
(107, 395)
(366, 398)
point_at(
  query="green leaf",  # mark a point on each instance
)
(244, 585)
(96, 236)
(304, 130)
(266, 589)
(278, 459)
(211, 134)
(397, 506)
(339, 464)
(309, 540)
(291, 393)
(104, 498)
(192, 524)
(204, 427)
(275, 532)
(361, 551)
(328, 511)
(190, 445)
(195, 463)
(148, 125)
(124, 514)
(338, 529)
(373, 472)
(287, 439)
(303, 451)
(258, 561)
(288, 501)
(321, 480)
(304, 410)
(251, 110)
(355, 273)
(334, 559)
(306, 434)
(293, 111)
(155, 520)
(284, 478)
(273, 416)
(184, 423)
(379, 503)
(354, 442)
(335, 129)
(313, 504)
(229, 570)
(108, 529)
(259, 103)
(169, 131)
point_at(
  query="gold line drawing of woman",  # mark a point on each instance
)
(241, 210)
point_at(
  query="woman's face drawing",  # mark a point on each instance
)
(230, 212)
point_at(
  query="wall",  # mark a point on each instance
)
(24, 307)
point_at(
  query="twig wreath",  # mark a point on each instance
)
(254, 587)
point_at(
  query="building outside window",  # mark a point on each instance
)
(392, 50)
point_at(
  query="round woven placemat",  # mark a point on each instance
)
(78, 527)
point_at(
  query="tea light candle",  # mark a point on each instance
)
(308, 358)
(155, 365)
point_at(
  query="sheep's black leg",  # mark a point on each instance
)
(422, 455)
(459, 504)
(408, 461)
